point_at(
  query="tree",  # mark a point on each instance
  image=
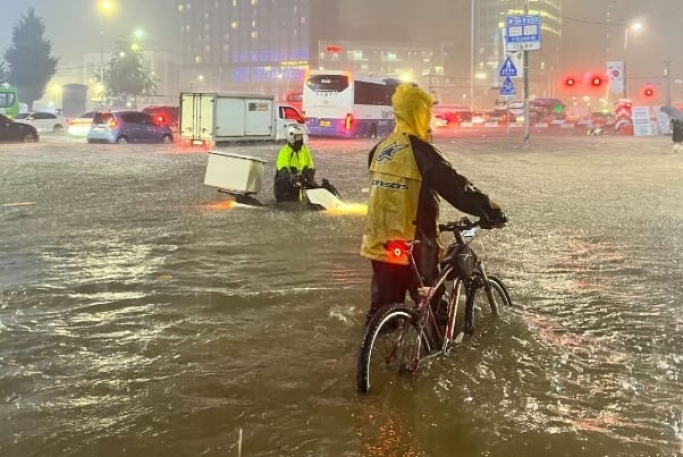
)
(3, 73)
(125, 74)
(31, 65)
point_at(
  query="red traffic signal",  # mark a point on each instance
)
(570, 81)
(596, 81)
(649, 92)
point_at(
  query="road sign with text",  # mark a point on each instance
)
(523, 33)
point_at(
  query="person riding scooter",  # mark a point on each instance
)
(295, 170)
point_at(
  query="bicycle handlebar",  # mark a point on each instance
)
(464, 224)
(460, 225)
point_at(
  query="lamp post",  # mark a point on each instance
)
(104, 8)
(627, 28)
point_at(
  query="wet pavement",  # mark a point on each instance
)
(142, 315)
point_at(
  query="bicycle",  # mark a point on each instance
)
(417, 326)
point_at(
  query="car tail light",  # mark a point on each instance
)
(112, 123)
(348, 122)
(160, 119)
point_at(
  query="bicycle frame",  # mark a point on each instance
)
(427, 293)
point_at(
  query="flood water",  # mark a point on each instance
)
(142, 315)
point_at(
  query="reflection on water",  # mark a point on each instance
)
(219, 206)
(136, 318)
(348, 208)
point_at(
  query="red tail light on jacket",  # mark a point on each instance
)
(396, 248)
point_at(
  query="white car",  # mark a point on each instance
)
(80, 126)
(43, 121)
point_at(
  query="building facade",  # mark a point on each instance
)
(245, 44)
(267, 45)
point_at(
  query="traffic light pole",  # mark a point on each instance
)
(527, 110)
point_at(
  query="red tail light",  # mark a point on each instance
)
(397, 248)
(113, 123)
(348, 122)
(160, 119)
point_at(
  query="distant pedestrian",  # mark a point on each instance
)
(677, 135)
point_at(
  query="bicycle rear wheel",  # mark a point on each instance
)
(392, 344)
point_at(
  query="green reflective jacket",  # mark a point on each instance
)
(288, 158)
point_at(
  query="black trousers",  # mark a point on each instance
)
(390, 282)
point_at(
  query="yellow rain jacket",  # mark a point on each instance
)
(407, 176)
(396, 180)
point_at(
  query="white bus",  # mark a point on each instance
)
(337, 104)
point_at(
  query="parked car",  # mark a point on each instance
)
(79, 126)
(451, 115)
(502, 116)
(43, 121)
(603, 119)
(164, 115)
(480, 117)
(127, 127)
(11, 131)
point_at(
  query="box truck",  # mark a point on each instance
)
(213, 118)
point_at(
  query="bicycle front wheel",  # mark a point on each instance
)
(499, 294)
(392, 344)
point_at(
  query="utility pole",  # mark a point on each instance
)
(473, 54)
(667, 75)
(525, 64)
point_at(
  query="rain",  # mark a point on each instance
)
(145, 310)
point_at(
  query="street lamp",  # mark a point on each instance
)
(627, 28)
(104, 8)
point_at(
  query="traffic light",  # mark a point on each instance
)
(649, 92)
(570, 81)
(596, 81)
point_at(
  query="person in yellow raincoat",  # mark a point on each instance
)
(407, 176)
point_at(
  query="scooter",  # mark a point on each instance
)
(315, 199)
(240, 177)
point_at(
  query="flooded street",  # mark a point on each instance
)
(142, 315)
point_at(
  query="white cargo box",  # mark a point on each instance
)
(238, 173)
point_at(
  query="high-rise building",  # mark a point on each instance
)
(250, 43)
(267, 45)
(488, 43)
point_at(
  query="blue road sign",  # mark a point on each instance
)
(508, 68)
(508, 88)
(522, 33)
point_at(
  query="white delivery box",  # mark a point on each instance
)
(237, 173)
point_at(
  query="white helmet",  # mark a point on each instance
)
(293, 131)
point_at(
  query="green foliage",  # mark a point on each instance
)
(31, 65)
(3, 73)
(125, 74)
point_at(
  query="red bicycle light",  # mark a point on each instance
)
(397, 248)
